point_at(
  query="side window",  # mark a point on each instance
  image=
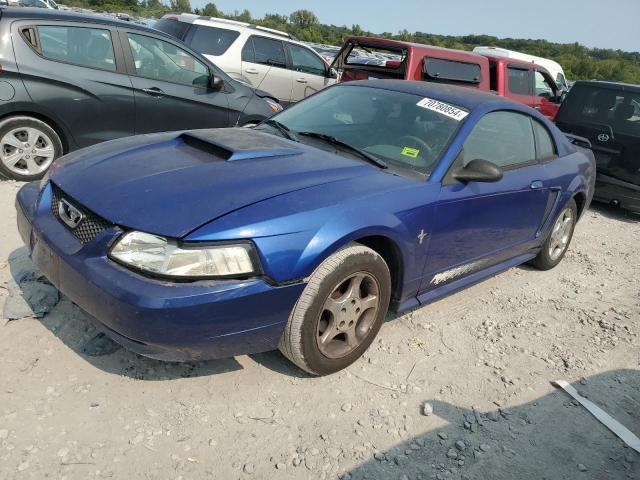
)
(520, 81)
(543, 87)
(164, 61)
(545, 146)
(269, 52)
(305, 61)
(88, 47)
(504, 138)
(211, 40)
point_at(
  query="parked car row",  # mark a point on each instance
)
(301, 232)
(70, 81)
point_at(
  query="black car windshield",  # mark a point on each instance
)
(403, 130)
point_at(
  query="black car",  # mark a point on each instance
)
(72, 80)
(608, 114)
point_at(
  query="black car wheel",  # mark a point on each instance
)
(28, 147)
(559, 238)
(339, 312)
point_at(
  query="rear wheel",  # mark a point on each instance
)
(28, 147)
(557, 243)
(339, 312)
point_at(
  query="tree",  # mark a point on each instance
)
(210, 10)
(245, 16)
(182, 6)
(303, 18)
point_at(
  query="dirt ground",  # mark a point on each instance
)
(483, 359)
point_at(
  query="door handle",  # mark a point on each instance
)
(536, 185)
(252, 71)
(153, 91)
(301, 80)
(537, 107)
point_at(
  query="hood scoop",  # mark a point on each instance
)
(237, 146)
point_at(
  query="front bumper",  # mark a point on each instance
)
(159, 319)
(612, 190)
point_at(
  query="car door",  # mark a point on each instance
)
(171, 86)
(76, 73)
(264, 65)
(310, 72)
(545, 94)
(477, 225)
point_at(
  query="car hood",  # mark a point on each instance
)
(172, 183)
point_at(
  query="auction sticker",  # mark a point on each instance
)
(443, 108)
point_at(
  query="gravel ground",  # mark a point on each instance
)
(483, 361)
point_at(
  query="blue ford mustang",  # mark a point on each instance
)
(301, 233)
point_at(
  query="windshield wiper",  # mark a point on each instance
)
(339, 143)
(283, 129)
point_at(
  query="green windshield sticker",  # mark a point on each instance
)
(410, 152)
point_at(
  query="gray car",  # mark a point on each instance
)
(73, 80)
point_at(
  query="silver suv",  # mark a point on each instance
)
(267, 59)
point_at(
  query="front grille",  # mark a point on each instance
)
(90, 226)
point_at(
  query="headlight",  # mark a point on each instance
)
(275, 106)
(161, 256)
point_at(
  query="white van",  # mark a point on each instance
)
(554, 68)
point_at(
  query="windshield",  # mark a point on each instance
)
(404, 130)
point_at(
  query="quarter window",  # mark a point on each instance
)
(520, 81)
(503, 138)
(164, 61)
(211, 40)
(545, 146)
(306, 61)
(269, 52)
(88, 47)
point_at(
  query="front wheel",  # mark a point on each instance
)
(339, 312)
(28, 147)
(557, 243)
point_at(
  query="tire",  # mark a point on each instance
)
(33, 159)
(310, 321)
(553, 252)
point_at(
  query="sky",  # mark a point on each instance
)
(594, 23)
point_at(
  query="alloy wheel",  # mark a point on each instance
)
(561, 233)
(348, 315)
(26, 151)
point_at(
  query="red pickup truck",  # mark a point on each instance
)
(367, 57)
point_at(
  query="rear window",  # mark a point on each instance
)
(439, 69)
(596, 105)
(211, 40)
(172, 27)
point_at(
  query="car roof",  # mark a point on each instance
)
(609, 85)
(228, 24)
(466, 97)
(385, 42)
(21, 13)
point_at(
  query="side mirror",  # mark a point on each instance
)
(478, 171)
(215, 82)
(332, 73)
